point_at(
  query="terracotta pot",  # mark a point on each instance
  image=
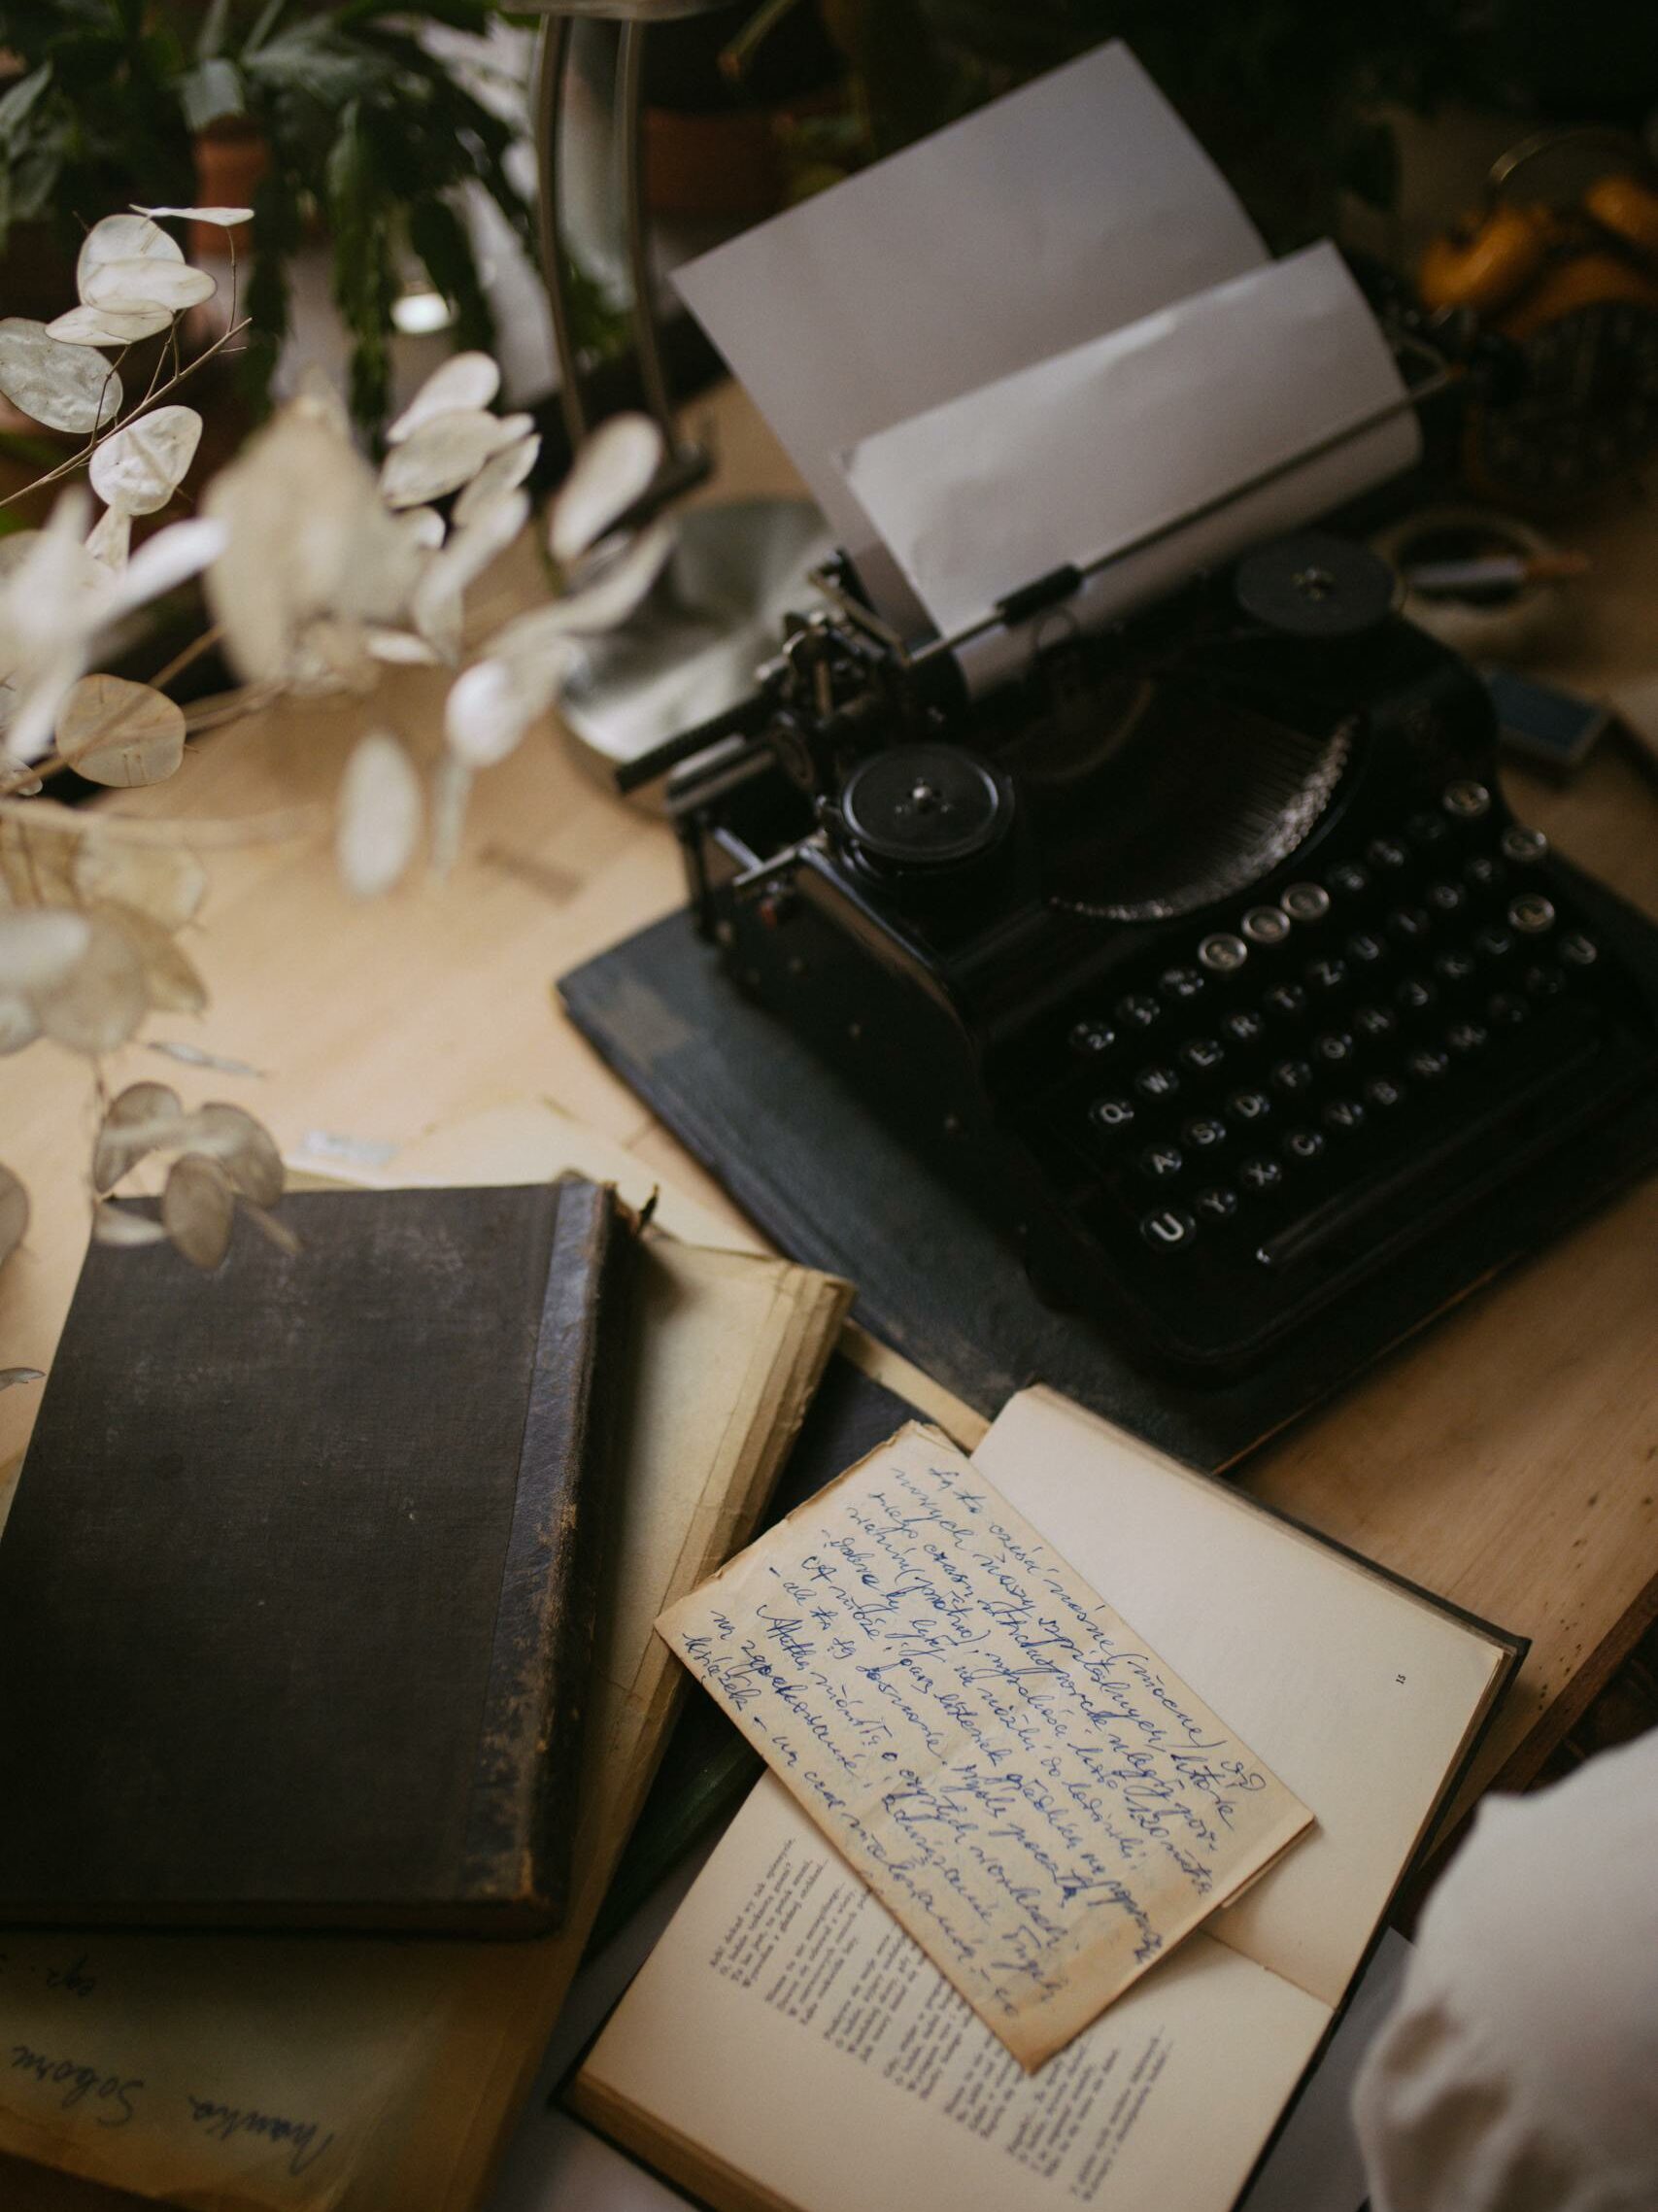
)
(232, 159)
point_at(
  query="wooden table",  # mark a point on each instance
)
(1509, 1460)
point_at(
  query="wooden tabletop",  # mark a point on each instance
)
(1508, 1460)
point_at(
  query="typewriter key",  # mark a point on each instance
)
(1157, 1082)
(1201, 1054)
(1493, 944)
(1305, 901)
(1180, 983)
(1326, 975)
(1249, 1106)
(1531, 913)
(1303, 1145)
(1382, 1091)
(1205, 1132)
(1139, 1008)
(1288, 1001)
(1111, 1112)
(1374, 1022)
(1218, 1202)
(1292, 1077)
(1366, 949)
(1580, 951)
(1266, 925)
(1169, 1229)
(1261, 1174)
(1160, 1163)
(1466, 801)
(1089, 1038)
(1464, 1038)
(1507, 1008)
(1343, 1117)
(1348, 879)
(1222, 954)
(1523, 845)
(1454, 967)
(1244, 1026)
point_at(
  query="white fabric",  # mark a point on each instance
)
(1519, 2070)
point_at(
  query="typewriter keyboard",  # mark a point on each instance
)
(1300, 1088)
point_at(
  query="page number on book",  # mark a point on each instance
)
(1398, 1678)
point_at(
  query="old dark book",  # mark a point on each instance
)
(297, 1593)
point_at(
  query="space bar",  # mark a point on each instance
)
(1340, 1216)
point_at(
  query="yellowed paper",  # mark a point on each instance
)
(1040, 1801)
(316, 2075)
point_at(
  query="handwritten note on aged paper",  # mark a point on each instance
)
(1044, 1805)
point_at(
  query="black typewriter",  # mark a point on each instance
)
(1205, 956)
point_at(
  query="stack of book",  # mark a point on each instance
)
(327, 1615)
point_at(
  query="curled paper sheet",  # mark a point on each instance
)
(1033, 1793)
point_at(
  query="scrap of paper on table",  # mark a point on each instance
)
(1041, 1802)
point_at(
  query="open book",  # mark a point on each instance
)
(788, 2046)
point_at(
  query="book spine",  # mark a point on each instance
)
(523, 1809)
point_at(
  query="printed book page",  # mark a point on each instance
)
(318, 2075)
(788, 2046)
(1037, 1795)
(1363, 1695)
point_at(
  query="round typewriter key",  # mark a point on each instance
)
(1157, 1082)
(1334, 1049)
(1218, 1202)
(1292, 1077)
(1428, 830)
(1266, 925)
(1428, 1063)
(1384, 1092)
(1347, 879)
(1303, 1145)
(1261, 1174)
(1415, 994)
(1374, 1022)
(1222, 954)
(1544, 979)
(1464, 1038)
(1305, 901)
(1531, 913)
(1201, 1054)
(1139, 1009)
(1580, 951)
(1180, 983)
(1326, 975)
(1465, 802)
(1386, 852)
(1484, 873)
(1205, 1132)
(1453, 967)
(1089, 1039)
(1492, 943)
(1244, 1026)
(1447, 897)
(1409, 924)
(1249, 1106)
(1507, 1009)
(1288, 1001)
(1364, 948)
(1160, 1163)
(1111, 1112)
(1169, 1229)
(1343, 1117)
(1523, 846)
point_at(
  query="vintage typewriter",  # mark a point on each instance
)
(1204, 955)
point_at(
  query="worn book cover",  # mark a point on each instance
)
(297, 1592)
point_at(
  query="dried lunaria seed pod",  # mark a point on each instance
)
(198, 1208)
(120, 733)
(615, 467)
(67, 388)
(380, 815)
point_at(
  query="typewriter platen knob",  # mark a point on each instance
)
(921, 811)
(1315, 586)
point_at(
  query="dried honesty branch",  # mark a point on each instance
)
(615, 468)
(139, 468)
(381, 810)
(108, 326)
(306, 538)
(66, 388)
(120, 1225)
(129, 1130)
(444, 452)
(503, 472)
(465, 381)
(120, 733)
(14, 1213)
(225, 218)
(244, 1147)
(198, 1209)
